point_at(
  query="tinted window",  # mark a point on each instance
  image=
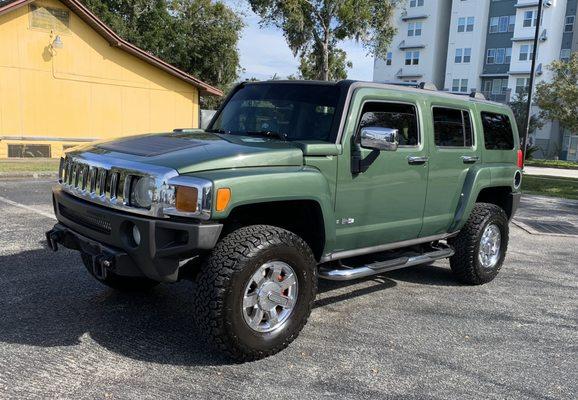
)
(298, 111)
(452, 127)
(402, 117)
(498, 132)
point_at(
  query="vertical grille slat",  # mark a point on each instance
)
(113, 185)
(126, 189)
(92, 179)
(101, 183)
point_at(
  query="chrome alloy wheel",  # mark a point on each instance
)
(490, 245)
(270, 296)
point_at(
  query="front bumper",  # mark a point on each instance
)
(106, 235)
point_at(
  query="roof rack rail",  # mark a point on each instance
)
(477, 95)
(417, 85)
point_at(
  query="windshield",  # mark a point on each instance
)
(281, 111)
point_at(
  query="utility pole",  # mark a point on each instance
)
(532, 75)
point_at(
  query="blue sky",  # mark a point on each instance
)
(265, 53)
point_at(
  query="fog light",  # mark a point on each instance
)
(136, 235)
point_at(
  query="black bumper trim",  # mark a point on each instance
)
(164, 243)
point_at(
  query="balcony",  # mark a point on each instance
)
(499, 97)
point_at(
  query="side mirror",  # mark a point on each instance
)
(379, 138)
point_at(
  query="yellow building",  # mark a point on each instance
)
(67, 78)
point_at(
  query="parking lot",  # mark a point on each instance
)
(409, 334)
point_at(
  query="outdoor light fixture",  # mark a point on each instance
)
(57, 43)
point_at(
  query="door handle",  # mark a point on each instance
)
(417, 160)
(470, 159)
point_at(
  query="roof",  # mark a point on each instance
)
(115, 40)
(379, 85)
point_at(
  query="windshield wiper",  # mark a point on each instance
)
(216, 131)
(278, 135)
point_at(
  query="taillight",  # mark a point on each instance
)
(520, 159)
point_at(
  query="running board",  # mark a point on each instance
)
(347, 274)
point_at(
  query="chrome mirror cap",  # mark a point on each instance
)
(377, 138)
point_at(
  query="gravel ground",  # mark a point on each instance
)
(411, 334)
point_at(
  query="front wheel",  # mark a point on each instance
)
(480, 247)
(256, 290)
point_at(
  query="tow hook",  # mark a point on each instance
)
(52, 238)
(100, 266)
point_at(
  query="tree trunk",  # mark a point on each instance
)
(325, 65)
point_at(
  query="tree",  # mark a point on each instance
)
(313, 28)
(198, 36)
(338, 65)
(558, 98)
(519, 106)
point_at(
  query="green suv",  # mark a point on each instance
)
(293, 181)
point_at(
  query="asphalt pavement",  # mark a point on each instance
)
(409, 334)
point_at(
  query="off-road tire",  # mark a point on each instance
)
(221, 283)
(120, 283)
(465, 263)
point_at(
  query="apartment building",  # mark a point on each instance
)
(422, 37)
(489, 49)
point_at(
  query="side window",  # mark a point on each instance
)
(498, 133)
(452, 127)
(402, 117)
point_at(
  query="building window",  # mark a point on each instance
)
(463, 56)
(508, 59)
(461, 24)
(500, 56)
(522, 85)
(502, 24)
(569, 24)
(388, 58)
(29, 151)
(412, 58)
(467, 55)
(466, 24)
(459, 56)
(498, 86)
(491, 56)
(512, 23)
(470, 24)
(530, 18)
(526, 52)
(460, 85)
(414, 29)
(565, 54)
(416, 3)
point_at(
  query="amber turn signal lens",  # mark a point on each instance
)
(223, 198)
(186, 200)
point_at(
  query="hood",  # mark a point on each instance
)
(195, 151)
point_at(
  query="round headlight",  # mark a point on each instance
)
(142, 192)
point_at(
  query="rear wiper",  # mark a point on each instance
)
(278, 135)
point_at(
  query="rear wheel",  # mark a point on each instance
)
(255, 292)
(118, 282)
(481, 245)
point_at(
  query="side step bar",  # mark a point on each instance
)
(347, 274)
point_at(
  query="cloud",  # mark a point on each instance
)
(264, 51)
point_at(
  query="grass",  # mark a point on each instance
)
(29, 165)
(552, 164)
(565, 188)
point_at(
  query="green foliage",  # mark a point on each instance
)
(313, 28)
(519, 105)
(197, 36)
(560, 164)
(338, 65)
(558, 98)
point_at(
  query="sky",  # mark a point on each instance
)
(264, 52)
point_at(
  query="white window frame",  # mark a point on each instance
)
(569, 23)
(459, 56)
(389, 58)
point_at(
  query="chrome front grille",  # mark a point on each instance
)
(108, 184)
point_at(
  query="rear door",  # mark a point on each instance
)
(453, 153)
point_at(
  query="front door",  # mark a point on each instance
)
(383, 203)
(453, 153)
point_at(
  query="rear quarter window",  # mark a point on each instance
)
(498, 133)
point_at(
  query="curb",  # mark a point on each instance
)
(33, 175)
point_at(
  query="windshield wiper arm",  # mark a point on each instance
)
(278, 135)
(215, 131)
